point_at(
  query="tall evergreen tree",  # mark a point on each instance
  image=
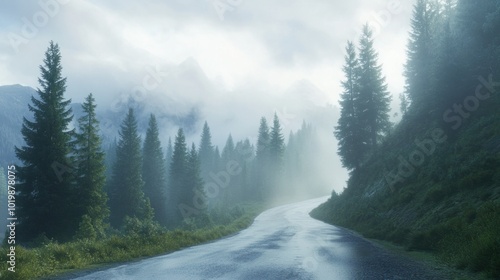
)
(276, 153)
(228, 154)
(477, 25)
(276, 145)
(46, 197)
(352, 141)
(178, 175)
(229, 150)
(217, 158)
(447, 83)
(374, 99)
(246, 154)
(263, 141)
(127, 187)
(195, 200)
(153, 171)
(109, 161)
(90, 173)
(261, 169)
(418, 68)
(168, 157)
(169, 153)
(206, 152)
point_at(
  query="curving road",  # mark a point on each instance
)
(282, 243)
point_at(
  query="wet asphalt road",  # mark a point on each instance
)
(283, 243)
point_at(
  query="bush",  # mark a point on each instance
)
(135, 227)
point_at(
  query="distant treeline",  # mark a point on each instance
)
(69, 188)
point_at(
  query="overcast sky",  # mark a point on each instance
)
(236, 60)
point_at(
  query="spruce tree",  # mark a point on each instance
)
(206, 152)
(127, 187)
(446, 86)
(418, 68)
(352, 141)
(168, 158)
(263, 141)
(178, 177)
(374, 99)
(228, 154)
(245, 154)
(195, 201)
(276, 145)
(276, 152)
(477, 33)
(153, 171)
(46, 198)
(90, 172)
(229, 150)
(262, 172)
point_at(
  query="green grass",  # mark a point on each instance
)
(53, 258)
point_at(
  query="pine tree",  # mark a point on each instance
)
(110, 158)
(276, 145)
(477, 24)
(374, 100)
(262, 172)
(178, 174)
(217, 159)
(206, 152)
(228, 155)
(229, 150)
(276, 152)
(195, 201)
(352, 141)
(418, 68)
(168, 159)
(90, 172)
(46, 197)
(446, 86)
(127, 187)
(263, 141)
(245, 153)
(153, 171)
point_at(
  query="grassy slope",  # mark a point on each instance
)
(53, 259)
(449, 206)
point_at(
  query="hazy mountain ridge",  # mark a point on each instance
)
(13, 107)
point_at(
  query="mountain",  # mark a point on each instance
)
(13, 107)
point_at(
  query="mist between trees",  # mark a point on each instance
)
(69, 188)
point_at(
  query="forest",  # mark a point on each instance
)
(426, 179)
(430, 182)
(71, 193)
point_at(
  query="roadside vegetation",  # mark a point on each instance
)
(139, 240)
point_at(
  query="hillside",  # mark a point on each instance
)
(432, 182)
(448, 203)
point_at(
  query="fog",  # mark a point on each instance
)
(191, 61)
